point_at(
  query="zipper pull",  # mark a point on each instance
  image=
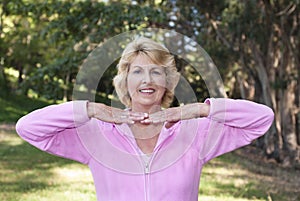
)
(147, 169)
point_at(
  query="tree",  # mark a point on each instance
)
(49, 40)
(263, 37)
(255, 44)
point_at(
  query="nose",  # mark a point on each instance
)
(147, 77)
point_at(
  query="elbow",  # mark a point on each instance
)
(24, 130)
(20, 127)
(267, 120)
(270, 116)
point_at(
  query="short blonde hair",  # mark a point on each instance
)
(158, 54)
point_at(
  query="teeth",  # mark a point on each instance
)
(147, 90)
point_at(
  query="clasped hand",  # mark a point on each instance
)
(173, 114)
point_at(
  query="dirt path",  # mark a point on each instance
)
(7, 127)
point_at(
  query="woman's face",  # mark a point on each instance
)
(146, 82)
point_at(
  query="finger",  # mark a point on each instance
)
(156, 121)
(146, 121)
(130, 121)
(153, 120)
(121, 117)
(138, 116)
(124, 119)
(129, 117)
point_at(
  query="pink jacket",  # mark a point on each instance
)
(120, 171)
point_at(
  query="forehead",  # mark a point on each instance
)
(142, 60)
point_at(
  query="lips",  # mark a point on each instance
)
(147, 90)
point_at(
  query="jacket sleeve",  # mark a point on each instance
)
(233, 124)
(53, 129)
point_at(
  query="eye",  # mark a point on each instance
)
(156, 72)
(137, 71)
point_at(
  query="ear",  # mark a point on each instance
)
(177, 78)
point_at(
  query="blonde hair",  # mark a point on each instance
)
(157, 54)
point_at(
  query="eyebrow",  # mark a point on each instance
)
(150, 65)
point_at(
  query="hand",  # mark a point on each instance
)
(174, 114)
(114, 115)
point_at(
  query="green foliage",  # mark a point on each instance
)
(13, 107)
(48, 41)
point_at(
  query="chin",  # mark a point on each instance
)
(147, 103)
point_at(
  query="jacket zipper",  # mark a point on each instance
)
(147, 178)
(146, 166)
(147, 170)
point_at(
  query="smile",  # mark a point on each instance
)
(148, 91)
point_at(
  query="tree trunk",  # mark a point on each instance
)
(272, 140)
(66, 87)
(4, 84)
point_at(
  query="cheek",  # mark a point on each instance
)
(161, 87)
(132, 85)
(162, 82)
(130, 89)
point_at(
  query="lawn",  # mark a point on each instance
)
(12, 107)
(27, 174)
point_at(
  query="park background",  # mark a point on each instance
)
(254, 43)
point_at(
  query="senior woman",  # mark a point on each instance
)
(148, 151)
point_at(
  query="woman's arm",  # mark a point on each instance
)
(232, 124)
(114, 115)
(239, 113)
(174, 114)
(53, 129)
(228, 124)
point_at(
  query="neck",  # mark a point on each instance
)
(145, 108)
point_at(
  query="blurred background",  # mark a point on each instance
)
(255, 45)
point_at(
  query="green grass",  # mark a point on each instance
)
(28, 174)
(245, 175)
(12, 107)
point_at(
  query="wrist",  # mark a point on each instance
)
(200, 110)
(91, 109)
(190, 111)
(204, 110)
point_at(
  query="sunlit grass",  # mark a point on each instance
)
(27, 174)
(70, 182)
(235, 178)
(234, 183)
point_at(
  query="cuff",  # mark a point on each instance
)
(217, 109)
(80, 112)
